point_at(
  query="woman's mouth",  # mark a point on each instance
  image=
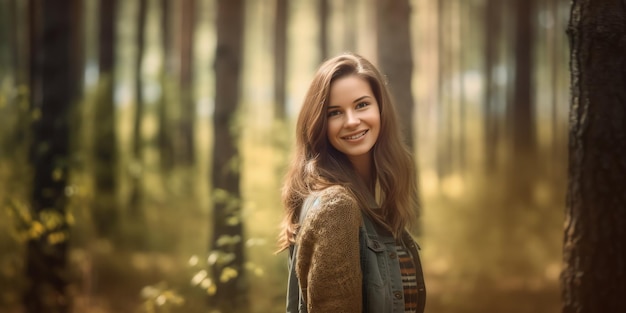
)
(356, 136)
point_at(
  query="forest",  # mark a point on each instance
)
(143, 145)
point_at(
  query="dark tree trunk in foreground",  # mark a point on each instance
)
(228, 272)
(594, 274)
(104, 211)
(53, 81)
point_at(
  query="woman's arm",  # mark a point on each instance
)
(328, 265)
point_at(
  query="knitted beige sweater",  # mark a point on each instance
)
(328, 266)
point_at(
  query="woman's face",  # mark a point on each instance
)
(353, 117)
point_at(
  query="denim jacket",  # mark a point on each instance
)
(382, 282)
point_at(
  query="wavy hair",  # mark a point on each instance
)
(316, 164)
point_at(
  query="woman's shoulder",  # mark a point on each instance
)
(333, 202)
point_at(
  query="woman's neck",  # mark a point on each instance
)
(363, 167)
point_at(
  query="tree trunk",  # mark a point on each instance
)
(323, 11)
(594, 277)
(395, 58)
(7, 32)
(53, 88)
(462, 8)
(104, 211)
(228, 240)
(280, 58)
(136, 173)
(166, 149)
(187, 123)
(444, 145)
(349, 24)
(522, 114)
(492, 33)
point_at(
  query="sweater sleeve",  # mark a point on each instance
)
(328, 265)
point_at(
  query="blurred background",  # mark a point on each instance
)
(137, 220)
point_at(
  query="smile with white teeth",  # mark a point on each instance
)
(357, 136)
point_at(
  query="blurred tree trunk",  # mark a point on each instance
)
(104, 211)
(462, 8)
(492, 34)
(186, 126)
(593, 277)
(280, 58)
(136, 192)
(555, 55)
(166, 147)
(349, 25)
(323, 11)
(53, 89)
(76, 8)
(135, 205)
(18, 40)
(228, 239)
(443, 115)
(395, 58)
(8, 55)
(522, 116)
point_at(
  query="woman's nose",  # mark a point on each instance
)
(352, 119)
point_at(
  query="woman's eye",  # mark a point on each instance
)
(361, 105)
(333, 113)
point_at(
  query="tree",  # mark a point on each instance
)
(349, 12)
(323, 12)
(137, 151)
(395, 58)
(521, 116)
(492, 34)
(104, 211)
(165, 143)
(593, 277)
(186, 124)
(227, 240)
(53, 89)
(280, 58)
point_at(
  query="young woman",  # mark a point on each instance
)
(348, 195)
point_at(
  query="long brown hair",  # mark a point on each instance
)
(317, 164)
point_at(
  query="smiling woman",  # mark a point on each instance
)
(348, 196)
(353, 121)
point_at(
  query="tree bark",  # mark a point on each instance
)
(594, 273)
(395, 58)
(228, 237)
(53, 89)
